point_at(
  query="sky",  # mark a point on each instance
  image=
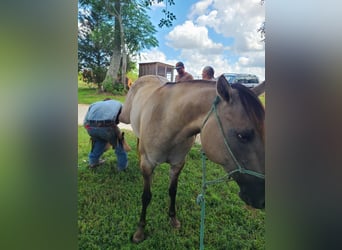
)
(219, 33)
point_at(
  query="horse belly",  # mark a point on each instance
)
(160, 149)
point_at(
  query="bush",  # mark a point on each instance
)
(115, 89)
(99, 74)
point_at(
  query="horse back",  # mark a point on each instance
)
(138, 94)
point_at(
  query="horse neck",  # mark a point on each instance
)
(196, 102)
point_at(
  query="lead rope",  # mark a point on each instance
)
(200, 198)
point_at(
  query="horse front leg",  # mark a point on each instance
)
(174, 174)
(146, 197)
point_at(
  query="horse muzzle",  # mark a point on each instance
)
(253, 193)
(255, 203)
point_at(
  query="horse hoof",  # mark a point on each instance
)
(138, 236)
(175, 223)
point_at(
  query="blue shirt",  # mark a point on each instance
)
(103, 110)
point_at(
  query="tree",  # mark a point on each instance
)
(131, 31)
(134, 30)
(169, 17)
(95, 39)
(262, 28)
(114, 9)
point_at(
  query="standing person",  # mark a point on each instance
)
(182, 75)
(208, 73)
(101, 123)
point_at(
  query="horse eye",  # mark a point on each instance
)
(245, 137)
(241, 137)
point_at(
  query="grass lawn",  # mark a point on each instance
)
(88, 94)
(109, 204)
(262, 99)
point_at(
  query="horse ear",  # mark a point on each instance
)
(260, 88)
(223, 88)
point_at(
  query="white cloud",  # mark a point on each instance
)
(231, 20)
(243, 60)
(239, 19)
(200, 7)
(153, 55)
(211, 18)
(190, 36)
(158, 5)
(195, 62)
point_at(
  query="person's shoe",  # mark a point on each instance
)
(123, 169)
(95, 165)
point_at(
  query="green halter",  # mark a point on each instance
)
(200, 198)
(239, 168)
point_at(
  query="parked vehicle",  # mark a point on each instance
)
(248, 80)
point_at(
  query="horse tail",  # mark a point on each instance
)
(125, 115)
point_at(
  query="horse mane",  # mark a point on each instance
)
(250, 102)
(192, 81)
(252, 105)
(170, 83)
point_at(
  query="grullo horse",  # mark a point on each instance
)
(167, 116)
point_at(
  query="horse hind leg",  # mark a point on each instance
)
(139, 156)
(146, 197)
(174, 174)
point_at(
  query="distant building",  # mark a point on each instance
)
(157, 68)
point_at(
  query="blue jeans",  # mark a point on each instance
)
(101, 136)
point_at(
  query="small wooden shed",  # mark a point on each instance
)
(157, 68)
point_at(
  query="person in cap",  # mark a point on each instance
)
(101, 123)
(208, 73)
(182, 74)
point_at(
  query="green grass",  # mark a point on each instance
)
(262, 99)
(88, 94)
(109, 204)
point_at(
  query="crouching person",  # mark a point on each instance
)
(101, 123)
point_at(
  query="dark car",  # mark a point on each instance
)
(248, 80)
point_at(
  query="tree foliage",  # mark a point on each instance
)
(262, 28)
(113, 28)
(95, 39)
(169, 16)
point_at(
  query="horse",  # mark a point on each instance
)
(167, 116)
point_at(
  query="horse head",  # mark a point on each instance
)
(233, 136)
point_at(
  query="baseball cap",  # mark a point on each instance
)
(179, 65)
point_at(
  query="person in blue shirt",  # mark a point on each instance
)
(101, 123)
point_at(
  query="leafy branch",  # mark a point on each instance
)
(169, 16)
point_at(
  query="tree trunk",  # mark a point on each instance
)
(114, 66)
(124, 69)
(123, 51)
(112, 72)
